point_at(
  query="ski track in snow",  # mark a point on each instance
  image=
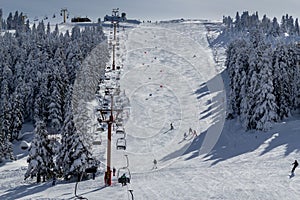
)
(169, 76)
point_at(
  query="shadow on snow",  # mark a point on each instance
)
(211, 113)
(25, 190)
(35, 188)
(234, 140)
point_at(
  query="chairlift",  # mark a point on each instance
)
(124, 180)
(99, 129)
(92, 169)
(119, 120)
(24, 145)
(122, 133)
(105, 108)
(119, 124)
(107, 92)
(120, 130)
(97, 142)
(124, 170)
(121, 144)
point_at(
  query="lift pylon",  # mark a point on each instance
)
(109, 121)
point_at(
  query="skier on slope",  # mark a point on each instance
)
(154, 164)
(184, 135)
(171, 126)
(195, 133)
(295, 165)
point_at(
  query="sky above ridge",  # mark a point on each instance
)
(153, 9)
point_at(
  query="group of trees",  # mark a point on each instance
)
(263, 70)
(244, 23)
(49, 158)
(38, 68)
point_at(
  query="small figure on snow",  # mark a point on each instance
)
(154, 164)
(294, 167)
(190, 131)
(114, 171)
(171, 126)
(184, 135)
(54, 180)
(195, 133)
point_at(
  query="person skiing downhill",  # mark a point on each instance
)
(195, 133)
(171, 126)
(154, 164)
(295, 165)
(184, 135)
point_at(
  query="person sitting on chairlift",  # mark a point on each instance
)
(123, 179)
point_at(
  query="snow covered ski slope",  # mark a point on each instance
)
(166, 70)
(169, 76)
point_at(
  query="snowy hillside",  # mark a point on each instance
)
(169, 75)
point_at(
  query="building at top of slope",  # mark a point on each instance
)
(115, 17)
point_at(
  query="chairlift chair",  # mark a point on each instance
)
(119, 123)
(124, 180)
(99, 129)
(121, 144)
(97, 142)
(97, 139)
(124, 170)
(120, 130)
(24, 145)
(121, 133)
